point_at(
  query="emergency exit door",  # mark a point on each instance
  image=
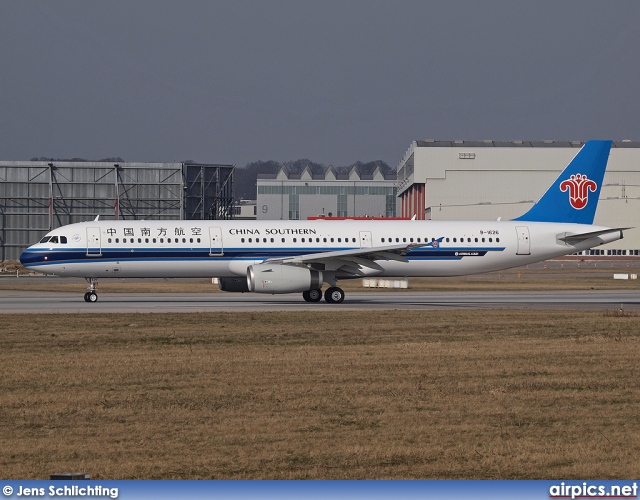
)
(215, 241)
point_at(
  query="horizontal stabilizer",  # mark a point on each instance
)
(575, 239)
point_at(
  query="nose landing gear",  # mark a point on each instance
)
(91, 295)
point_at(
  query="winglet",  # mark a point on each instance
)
(573, 197)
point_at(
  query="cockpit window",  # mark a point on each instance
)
(54, 239)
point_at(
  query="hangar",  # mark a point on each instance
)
(37, 196)
(485, 180)
(338, 192)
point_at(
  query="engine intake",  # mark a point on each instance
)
(280, 278)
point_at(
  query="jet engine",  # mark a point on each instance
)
(279, 278)
(233, 284)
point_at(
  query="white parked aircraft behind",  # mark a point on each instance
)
(300, 256)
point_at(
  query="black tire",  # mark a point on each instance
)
(305, 296)
(315, 295)
(86, 297)
(334, 295)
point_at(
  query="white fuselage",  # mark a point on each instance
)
(194, 248)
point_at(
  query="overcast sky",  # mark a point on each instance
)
(333, 81)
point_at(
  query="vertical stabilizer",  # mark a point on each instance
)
(573, 197)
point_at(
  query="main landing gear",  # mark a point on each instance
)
(312, 295)
(91, 295)
(333, 295)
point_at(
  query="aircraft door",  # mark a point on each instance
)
(524, 243)
(94, 242)
(215, 241)
(365, 239)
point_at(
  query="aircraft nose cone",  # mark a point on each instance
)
(29, 258)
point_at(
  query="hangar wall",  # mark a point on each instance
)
(470, 180)
(288, 196)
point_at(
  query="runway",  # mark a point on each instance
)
(116, 303)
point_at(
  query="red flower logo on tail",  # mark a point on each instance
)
(578, 186)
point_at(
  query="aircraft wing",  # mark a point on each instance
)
(574, 239)
(351, 261)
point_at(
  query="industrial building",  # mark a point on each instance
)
(335, 192)
(37, 196)
(485, 180)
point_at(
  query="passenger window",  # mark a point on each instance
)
(331, 240)
(282, 240)
(490, 240)
(109, 240)
(302, 240)
(154, 240)
(324, 239)
(241, 240)
(497, 240)
(191, 240)
(295, 240)
(146, 240)
(198, 240)
(272, 240)
(447, 240)
(339, 240)
(250, 240)
(382, 240)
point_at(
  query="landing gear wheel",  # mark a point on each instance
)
(334, 295)
(314, 295)
(91, 295)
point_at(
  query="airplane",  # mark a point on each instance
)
(277, 257)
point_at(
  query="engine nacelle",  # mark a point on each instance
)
(279, 278)
(233, 284)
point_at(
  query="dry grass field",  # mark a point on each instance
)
(439, 394)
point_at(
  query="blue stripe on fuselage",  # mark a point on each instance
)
(31, 257)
